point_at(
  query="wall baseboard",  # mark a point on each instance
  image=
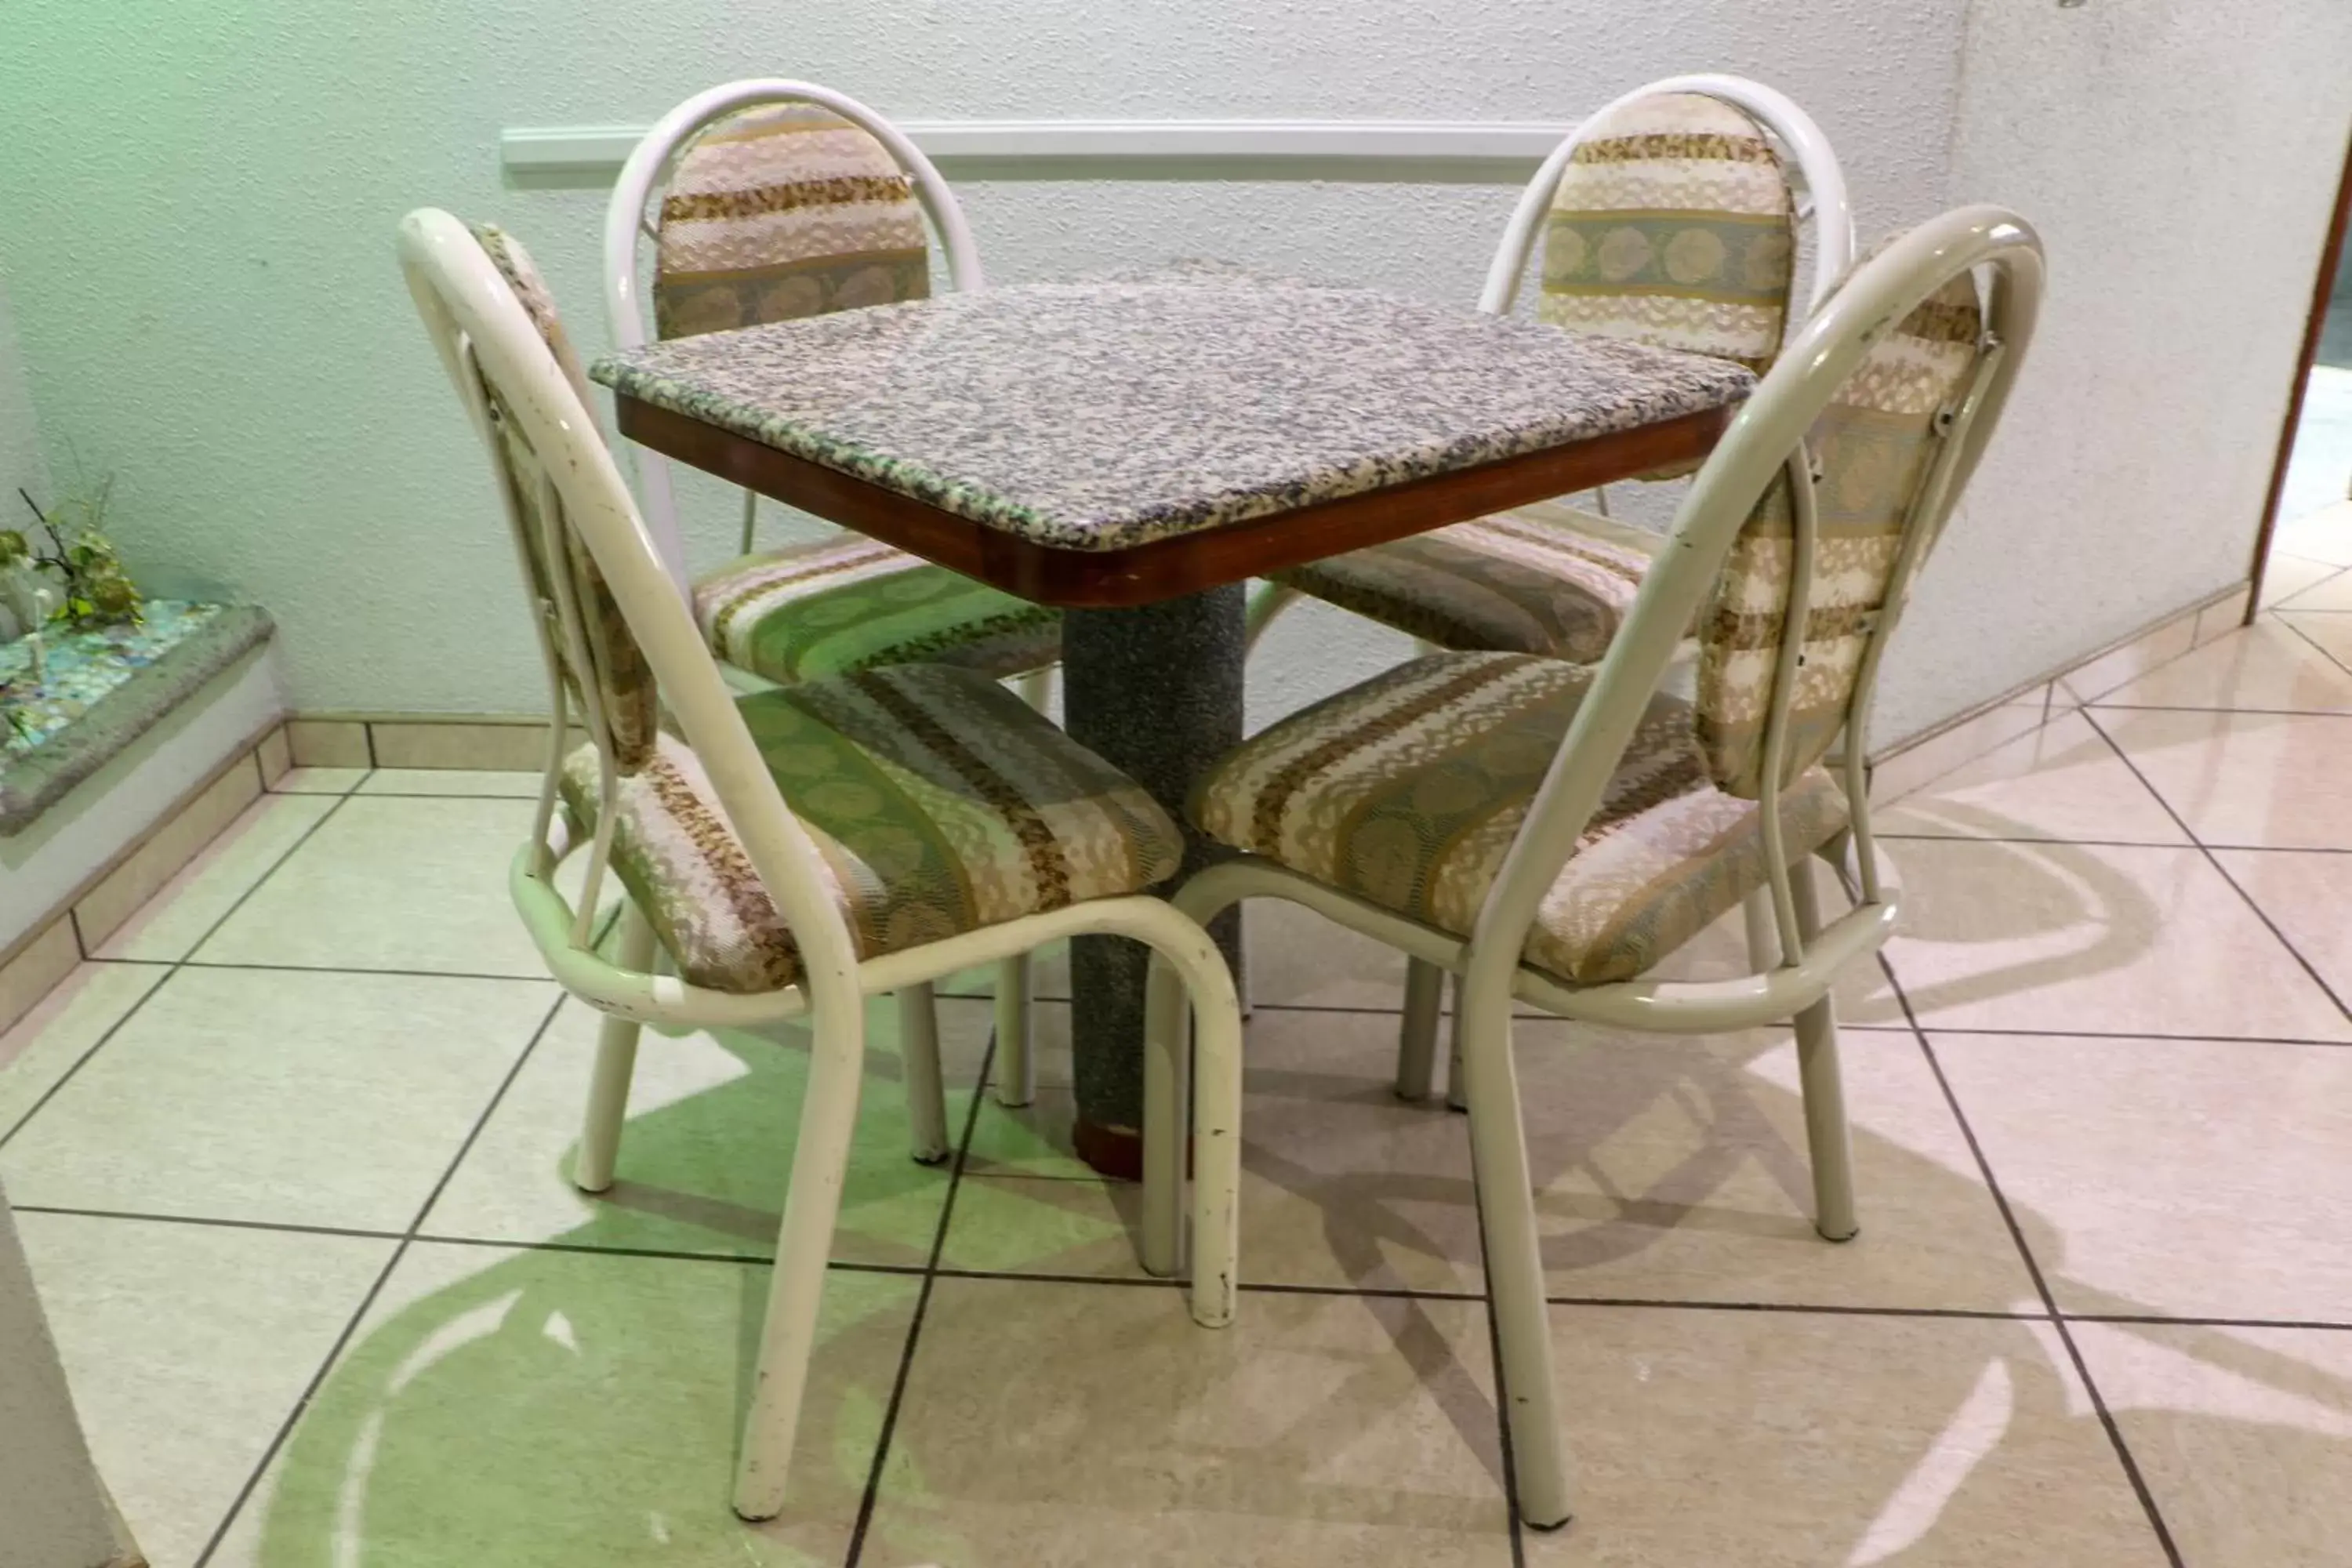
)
(1910, 765)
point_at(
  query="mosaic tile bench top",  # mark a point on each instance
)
(100, 689)
(1103, 414)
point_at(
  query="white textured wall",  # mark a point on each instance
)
(21, 459)
(2179, 157)
(196, 212)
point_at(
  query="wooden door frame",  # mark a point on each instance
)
(2331, 254)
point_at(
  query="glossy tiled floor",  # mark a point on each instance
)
(290, 1156)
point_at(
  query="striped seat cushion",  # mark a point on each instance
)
(848, 603)
(1408, 789)
(939, 802)
(1550, 580)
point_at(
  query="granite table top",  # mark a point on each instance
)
(1103, 414)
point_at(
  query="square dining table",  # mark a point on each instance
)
(1134, 450)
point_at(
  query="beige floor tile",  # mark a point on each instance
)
(2309, 898)
(706, 1157)
(186, 1347)
(1780, 1440)
(392, 884)
(318, 781)
(2330, 629)
(2061, 782)
(2267, 665)
(172, 922)
(2244, 1435)
(1670, 1170)
(2322, 535)
(2199, 1178)
(1051, 1425)
(2072, 937)
(45, 1043)
(279, 1097)
(452, 781)
(561, 1410)
(2299, 584)
(170, 846)
(2263, 779)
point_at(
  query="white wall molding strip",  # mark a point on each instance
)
(1433, 151)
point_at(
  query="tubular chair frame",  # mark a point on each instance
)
(627, 304)
(1767, 439)
(486, 339)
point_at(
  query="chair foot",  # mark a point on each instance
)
(1425, 992)
(1545, 1526)
(1851, 1231)
(1016, 1065)
(616, 1062)
(926, 1100)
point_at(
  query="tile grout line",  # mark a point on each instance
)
(165, 979)
(2057, 1318)
(2214, 861)
(367, 1301)
(1247, 1286)
(871, 1499)
(2316, 646)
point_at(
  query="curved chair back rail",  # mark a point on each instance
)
(628, 299)
(603, 598)
(1826, 205)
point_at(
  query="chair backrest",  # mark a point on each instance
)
(768, 199)
(610, 627)
(1668, 218)
(1888, 394)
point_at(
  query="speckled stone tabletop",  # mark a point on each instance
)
(1103, 414)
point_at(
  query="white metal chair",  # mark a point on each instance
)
(1672, 222)
(764, 200)
(1684, 161)
(1550, 832)
(772, 908)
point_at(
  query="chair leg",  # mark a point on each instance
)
(1826, 1137)
(796, 1290)
(1016, 1066)
(1506, 1214)
(1216, 1145)
(751, 519)
(616, 1060)
(1457, 1090)
(1763, 930)
(927, 1095)
(1166, 1061)
(1425, 992)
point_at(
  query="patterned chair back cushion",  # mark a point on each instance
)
(1871, 449)
(779, 211)
(1673, 226)
(619, 675)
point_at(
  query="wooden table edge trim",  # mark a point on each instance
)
(1180, 563)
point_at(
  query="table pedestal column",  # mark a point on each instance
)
(1156, 692)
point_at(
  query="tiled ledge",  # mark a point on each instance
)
(32, 782)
